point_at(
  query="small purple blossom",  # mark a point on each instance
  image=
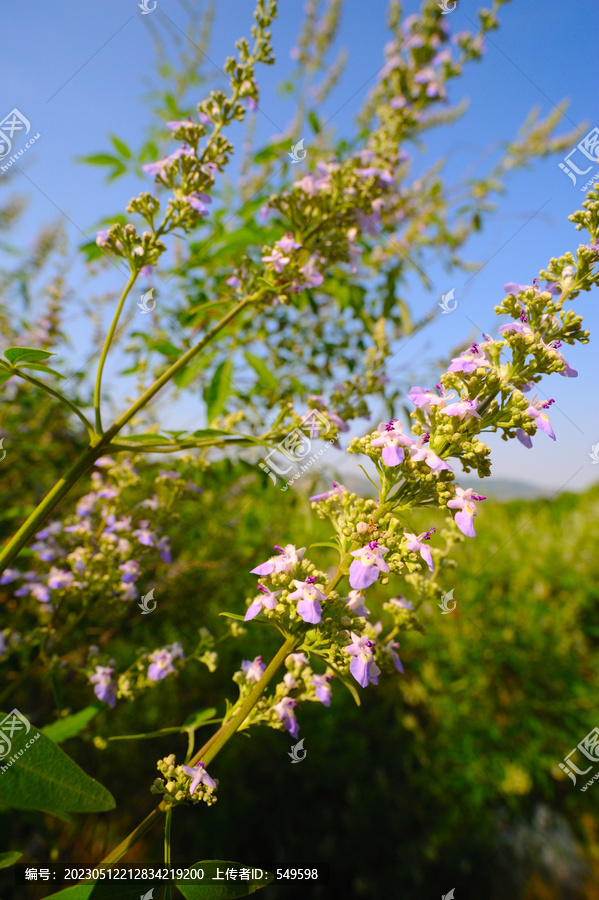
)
(469, 360)
(143, 534)
(464, 501)
(253, 669)
(309, 598)
(162, 661)
(416, 545)
(336, 491)
(105, 685)
(322, 688)
(130, 570)
(284, 709)
(290, 557)
(392, 440)
(60, 579)
(425, 399)
(367, 565)
(198, 775)
(542, 420)
(433, 461)
(269, 600)
(463, 408)
(363, 667)
(9, 575)
(355, 603)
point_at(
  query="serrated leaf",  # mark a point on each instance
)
(43, 777)
(70, 726)
(9, 858)
(224, 890)
(26, 354)
(218, 390)
(39, 368)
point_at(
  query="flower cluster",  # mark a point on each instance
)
(184, 785)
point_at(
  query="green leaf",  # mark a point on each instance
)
(70, 726)
(26, 354)
(196, 719)
(314, 122)
(39, 368)
(146, 438)
(223, 890)
(42, 777)
(4, 376)
(261, 368)
(218, 390)
(9, 858)
(99, 159)
(120, 146)
(235, 616)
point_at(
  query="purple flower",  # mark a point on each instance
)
(130, 570)
(515, 327)
(86, 505)
(277, 258)
(156, 168)
(284, 710)
(392, 440)
(524, 438)
(416, 545)
(198, 202)
(367, 565)
(469, 360)
(297, 659)
(322, 688)
(287, 243)
(40, 592)
(309, 600)
(567, 371)
(151, 503)
(164, 548)
(534, 411)
(355, 603)
(49, 531)
(336, 491)
(252, 104)
(234, 282)
(313, 278)
(162, 661)
(198, 775)
(102, 238)
(425, 454)
(9, 575)
(464, 501)
(105, 685)
(253, 669)
(463, 408)
(59, 578)
(143, 535)
(290, 557)
(401, 602)
(269, 600)
(390, 649)
(425, 399)
(363, 667)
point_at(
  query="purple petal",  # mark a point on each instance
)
(310, 611)
(360, 576)
(465, 522)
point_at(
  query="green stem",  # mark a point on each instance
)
(132, 838)
(88, 425)
(99, 443)
(106, 348)
(175, 368)
(218, 740)
(167, 838)
(48, 504)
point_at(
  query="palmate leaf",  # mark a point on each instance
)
(46, 779)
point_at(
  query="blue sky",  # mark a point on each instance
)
(77, 72)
